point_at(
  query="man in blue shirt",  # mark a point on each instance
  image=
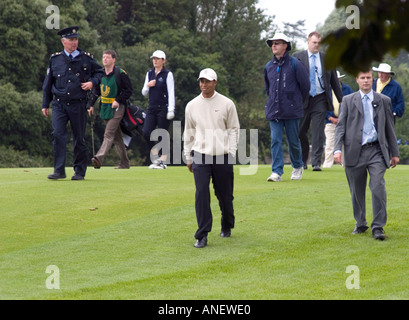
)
(365, 129)
(319, 100)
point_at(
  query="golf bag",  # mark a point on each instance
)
(132, 122)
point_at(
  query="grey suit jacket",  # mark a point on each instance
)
(330, 79)
(348, 131)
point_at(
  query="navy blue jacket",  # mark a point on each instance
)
(286, 86)
(64, 77)
(394, 91)
(158, 95)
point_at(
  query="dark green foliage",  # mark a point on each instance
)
(225, 35)
(22, 124)
(382, 28)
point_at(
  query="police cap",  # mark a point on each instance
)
(70, 32)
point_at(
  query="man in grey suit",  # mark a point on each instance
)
(365, 128)
(319, 100)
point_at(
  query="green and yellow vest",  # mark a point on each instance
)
(109, 91)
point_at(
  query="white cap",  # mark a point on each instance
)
(339, 75)
(208, 74)
(158, 54)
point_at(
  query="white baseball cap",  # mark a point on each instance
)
(158, 54)
(208, 74)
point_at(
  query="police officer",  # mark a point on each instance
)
(71, 74)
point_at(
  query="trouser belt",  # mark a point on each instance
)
(370, 144)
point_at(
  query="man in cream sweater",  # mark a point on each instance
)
(210, 143)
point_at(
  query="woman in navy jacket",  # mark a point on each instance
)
(160, 86)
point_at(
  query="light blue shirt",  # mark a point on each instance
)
(318, 74)
(373, 135)
(74, 53)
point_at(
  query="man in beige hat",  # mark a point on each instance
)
(389, 87)
(286, 85)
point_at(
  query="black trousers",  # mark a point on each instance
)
(314, 115)
(76, 114)
(217, 169)
(156, 117)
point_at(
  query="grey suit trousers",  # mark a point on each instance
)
(370, 161)
(314, 115)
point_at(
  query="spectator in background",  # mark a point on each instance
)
(331, 123)
(389, 87)
(159, 85)
(318, 101)
(286, 84)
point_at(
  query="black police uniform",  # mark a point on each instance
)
(62, 86)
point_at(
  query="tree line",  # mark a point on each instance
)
(223, 35)
(226, 35)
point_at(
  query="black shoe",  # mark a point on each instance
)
(359, 230)
(96, 163)
(56, 176)
(225, 233)
(316, 168)
(77, 177)
(201, 243)
(305, 167)
(378, 234)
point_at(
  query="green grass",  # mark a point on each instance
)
(128, 234)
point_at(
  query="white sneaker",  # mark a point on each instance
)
(274, 177)
(160, 165)
(297, 173)
(154, 163)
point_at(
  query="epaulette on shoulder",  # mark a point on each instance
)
(56, 54)
(89, 54)
(122, 70)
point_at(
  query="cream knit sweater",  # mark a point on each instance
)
(211, 126)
